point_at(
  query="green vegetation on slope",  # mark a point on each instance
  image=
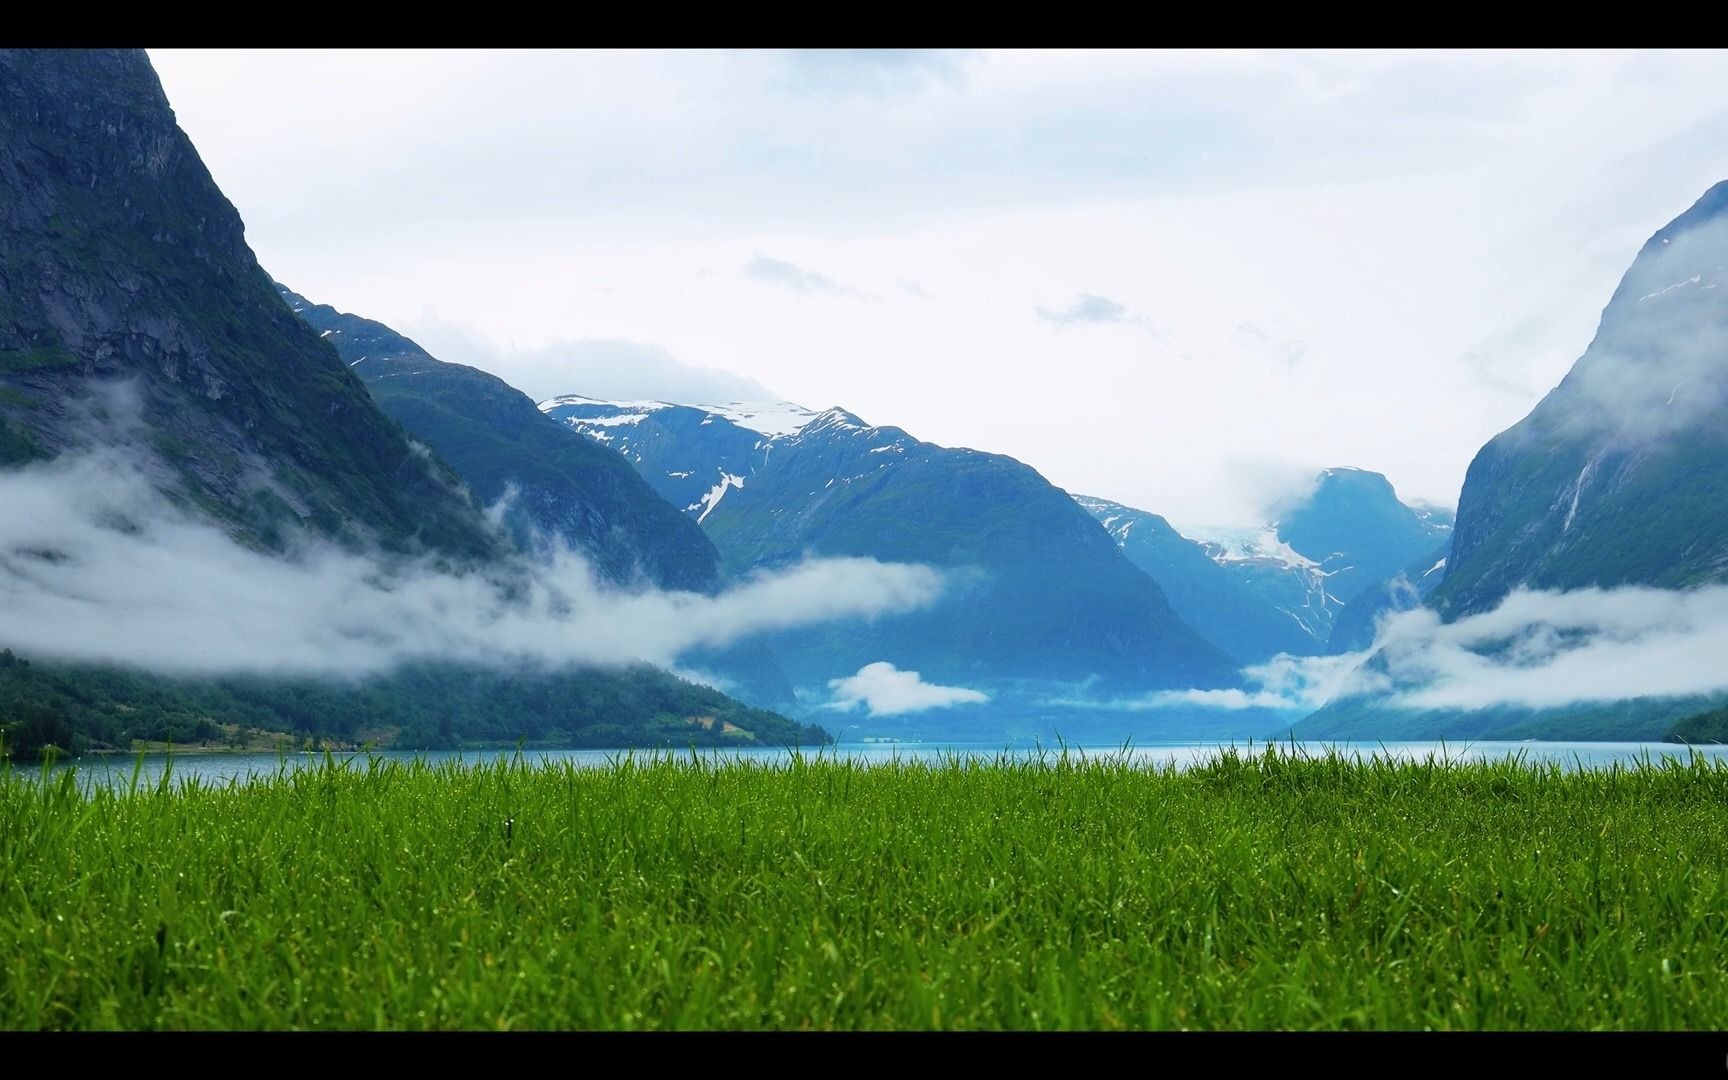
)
(1262, 892)
(1710, 726)
(1366, 717)
(561, 486)
(425, 706)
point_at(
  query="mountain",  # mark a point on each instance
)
(1252, 606)
(1279, 588)
(1353, 629)
(134, 315)
(1620, 474)
(132, 311)
(1037, 590)
(553, 486)
(1354, 526)
(691, 455)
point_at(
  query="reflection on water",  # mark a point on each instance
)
(118, 770)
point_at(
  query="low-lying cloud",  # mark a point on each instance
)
(1654, 368)
(1544, 649)
(1284, 682)
(1536, 650)
(95, 565)
(887, 691)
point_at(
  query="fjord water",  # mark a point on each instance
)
(222, 768)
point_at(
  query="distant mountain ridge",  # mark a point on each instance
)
(1207, 583)
(1037, 591)
(721, 445)
(1282, 587)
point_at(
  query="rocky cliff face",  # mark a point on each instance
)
(1620, 475)
(133, 313)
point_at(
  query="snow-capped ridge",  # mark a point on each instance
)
(773, 419)
(1227, 544)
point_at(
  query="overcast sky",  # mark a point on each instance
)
(1174, 280)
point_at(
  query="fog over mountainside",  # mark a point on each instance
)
(1620, 475)
(1591, 545)
(199, 485)
(211, 477)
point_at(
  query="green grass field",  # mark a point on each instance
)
(1256, 892)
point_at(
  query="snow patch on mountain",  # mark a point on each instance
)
(1693, 280)
(715, 494)
(771, 418)
(1254, 543)
(617, 406)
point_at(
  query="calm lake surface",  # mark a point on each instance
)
(224, 768)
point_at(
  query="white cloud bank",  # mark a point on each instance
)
(1536, 650)
(96, 566)
(888, 691)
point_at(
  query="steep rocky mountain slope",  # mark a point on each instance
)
(133, 312)
(1620, 475)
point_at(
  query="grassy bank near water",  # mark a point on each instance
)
(1257, 891)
